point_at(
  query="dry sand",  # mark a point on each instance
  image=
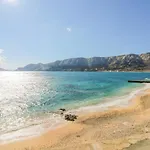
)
(114, 129)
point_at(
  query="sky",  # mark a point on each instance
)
(34, 31)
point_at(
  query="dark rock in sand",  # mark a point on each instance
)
(62, 109)
(70, 117)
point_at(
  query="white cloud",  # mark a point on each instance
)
(69, 29)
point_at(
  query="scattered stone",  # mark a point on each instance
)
(70, 117)
(78, 135)
(62, 109)
(146, 130)
(125, 123)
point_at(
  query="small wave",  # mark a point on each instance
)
(32, 128)
(121, 101)
(147, 78)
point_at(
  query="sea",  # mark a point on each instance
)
(30, 101)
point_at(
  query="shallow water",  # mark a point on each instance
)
(29, 99)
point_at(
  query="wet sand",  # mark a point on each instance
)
(115, 129)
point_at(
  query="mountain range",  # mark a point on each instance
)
(130, 62)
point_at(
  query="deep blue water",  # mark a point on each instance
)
(26, 95)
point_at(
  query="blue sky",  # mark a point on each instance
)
(33, 31)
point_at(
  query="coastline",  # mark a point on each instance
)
(109, 102)
(87, 129)
(48, 124)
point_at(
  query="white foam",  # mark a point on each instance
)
(111, 102)
(49, 123)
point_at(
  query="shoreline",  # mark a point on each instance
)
(106, 104)
(51, 139)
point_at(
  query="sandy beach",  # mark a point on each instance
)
(114, 129)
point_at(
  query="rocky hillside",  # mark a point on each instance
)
(146, 59)
(131, 62)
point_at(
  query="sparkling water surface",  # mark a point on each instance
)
(32, 98)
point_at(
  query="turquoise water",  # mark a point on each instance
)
(27, 98)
